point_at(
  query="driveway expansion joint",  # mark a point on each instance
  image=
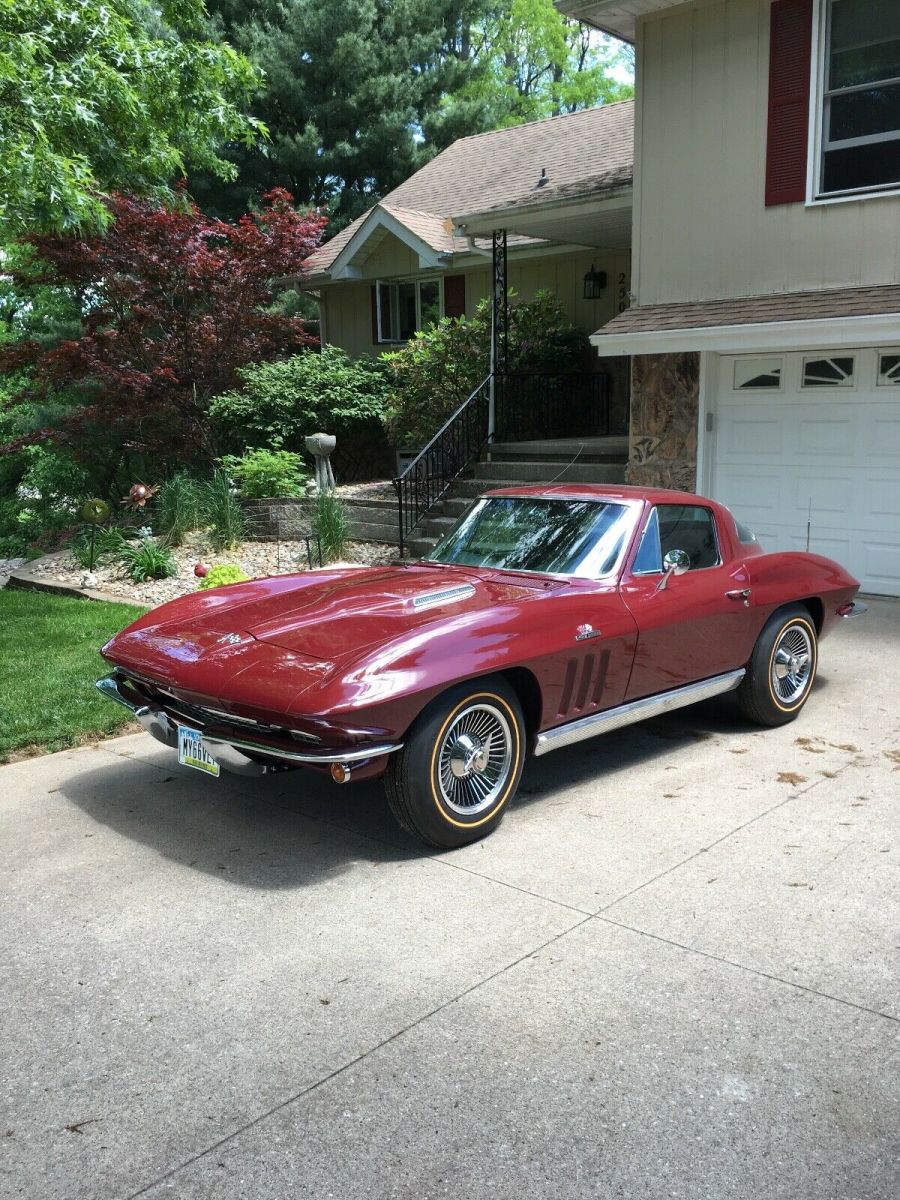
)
(796, 794)
(729, 962)
(313, 1087)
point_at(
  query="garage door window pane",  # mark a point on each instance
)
(757, 373)
(889, 370)
(828, 372)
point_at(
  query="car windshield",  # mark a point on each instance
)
(524, 533)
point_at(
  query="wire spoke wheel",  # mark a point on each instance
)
(475, 759)
(792, 664)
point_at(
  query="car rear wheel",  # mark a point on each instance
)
(461, 765)
(782, 668)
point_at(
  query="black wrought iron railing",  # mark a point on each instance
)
(530, 406)
(458, 442)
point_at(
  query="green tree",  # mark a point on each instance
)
(102, 95)
(361, 93)
(349, 85)
(532, 63)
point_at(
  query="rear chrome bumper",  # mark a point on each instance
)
(237, 754)
(854, 609)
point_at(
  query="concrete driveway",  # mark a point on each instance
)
(672, 972)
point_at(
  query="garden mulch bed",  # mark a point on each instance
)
(256, 559)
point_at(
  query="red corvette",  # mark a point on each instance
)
(548, 615)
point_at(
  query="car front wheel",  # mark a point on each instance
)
(782, 668)
(461, 764)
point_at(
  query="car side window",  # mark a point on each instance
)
(648, 560)
(690, 528)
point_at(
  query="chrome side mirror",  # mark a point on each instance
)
(676, 562)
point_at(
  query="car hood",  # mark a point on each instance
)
(339, 618)
(326, 618)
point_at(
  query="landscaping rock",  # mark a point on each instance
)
(7, 566)
(256, 559)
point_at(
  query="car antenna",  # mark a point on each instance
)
(568, 464)
(808, 523)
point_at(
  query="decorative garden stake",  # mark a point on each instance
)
(139, 494)
(94, 513)
(321, 446)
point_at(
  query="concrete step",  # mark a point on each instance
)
(436, 527)
(605, 449)
(370, 531)
(371, 510)
(474, 485)
(496, 474)
(418, 546)
(452, 506)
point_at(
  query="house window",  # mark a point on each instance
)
(405, 306)
(860, 118)
(889, 370)
(757, 373)
(828, 372)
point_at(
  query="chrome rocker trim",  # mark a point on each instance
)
(227, 751)
(634, 711)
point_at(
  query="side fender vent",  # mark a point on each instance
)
(590, 680)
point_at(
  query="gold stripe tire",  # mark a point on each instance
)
(782, 668)
(461, 765)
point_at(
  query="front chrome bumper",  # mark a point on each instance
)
(237, 755)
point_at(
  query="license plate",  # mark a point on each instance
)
(192, 752)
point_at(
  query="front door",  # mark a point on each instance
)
(694, 625)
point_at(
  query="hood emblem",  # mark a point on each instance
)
(230, 639)
(584, 632)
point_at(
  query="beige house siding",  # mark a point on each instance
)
(347, 313)
(702, 228)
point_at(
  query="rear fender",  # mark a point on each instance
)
(792, 577)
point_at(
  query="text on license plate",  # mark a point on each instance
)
(192, 752)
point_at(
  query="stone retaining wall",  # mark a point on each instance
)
(278, 520)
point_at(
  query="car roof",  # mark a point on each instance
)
(601, 491)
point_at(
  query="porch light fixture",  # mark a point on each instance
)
(594, 284)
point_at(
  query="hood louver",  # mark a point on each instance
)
(444, 596)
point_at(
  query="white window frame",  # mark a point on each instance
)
(761, 359)
(816, 141)
(394, 286)
(880, 352)
(820, 385)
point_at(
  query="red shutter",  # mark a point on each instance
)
(790, 56)
(454, 295)
(374, 317)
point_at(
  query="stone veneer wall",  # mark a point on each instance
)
(665, 392)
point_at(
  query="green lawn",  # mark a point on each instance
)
(49, 662)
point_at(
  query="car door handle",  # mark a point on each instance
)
(741, 594)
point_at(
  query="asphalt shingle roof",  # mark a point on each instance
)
(755, 310)
(583, 153)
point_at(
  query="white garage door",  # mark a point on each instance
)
(814, 438)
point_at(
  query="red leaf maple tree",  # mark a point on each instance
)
(173, 303)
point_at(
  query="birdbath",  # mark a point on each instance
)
(321, 446)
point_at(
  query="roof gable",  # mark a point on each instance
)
(583, 154)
